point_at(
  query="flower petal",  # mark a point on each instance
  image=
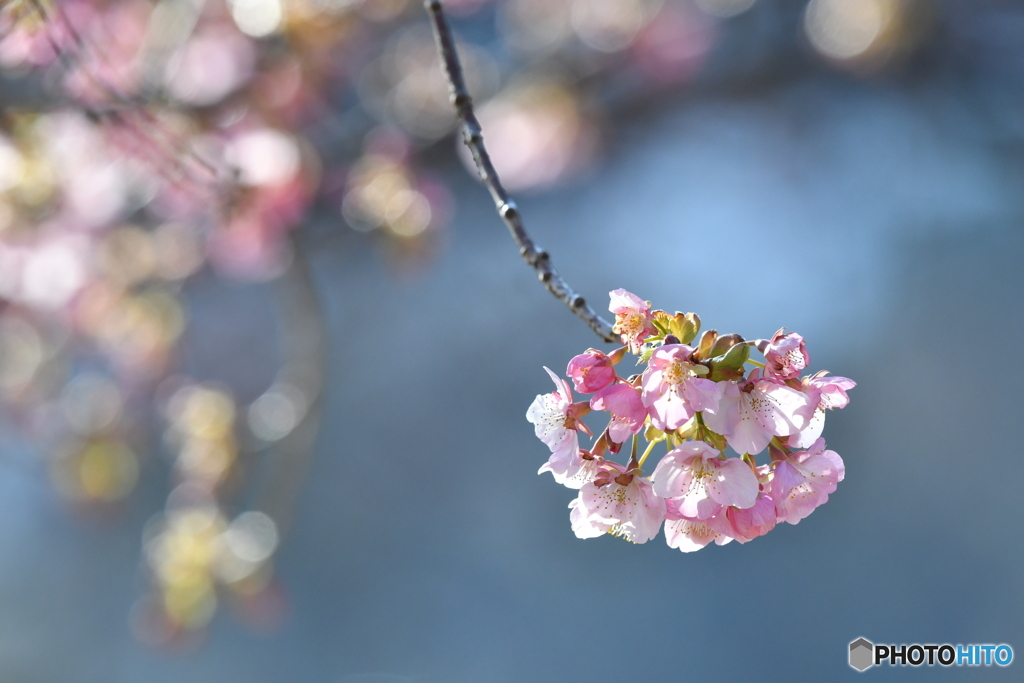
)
(581, 525)
(701, 394)
(733, 483)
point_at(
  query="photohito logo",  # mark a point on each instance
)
(865, 654)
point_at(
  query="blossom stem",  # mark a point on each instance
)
(472, 135)
(632, 456)
(701, 428)
(647, 451)
(754, 362)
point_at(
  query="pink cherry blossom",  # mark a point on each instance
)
(748, 416)
(701, 482)
(803, 481)
(626, 407)
(554, 417)
(581, 470)
(617, 502)
(828, 393)
(757, 520)
(591, 371)
(701, 495)
(672, 389)
(833, 390)
(785, 355)
(690, 535)
(632, 318)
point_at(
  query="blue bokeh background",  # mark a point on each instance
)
(879, 217)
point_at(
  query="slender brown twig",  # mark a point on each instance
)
(472, 135)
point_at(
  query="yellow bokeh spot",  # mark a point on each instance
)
(101, 470)
(206, 413)
(852, 29)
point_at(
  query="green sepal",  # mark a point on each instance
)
(685, 326)
(729, 365)
(696, 429)
(713, 439)
(662, 321)
(689, 429)
(653, 435)
(724, 344)
(725, 375)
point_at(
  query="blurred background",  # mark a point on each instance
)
(266, 351)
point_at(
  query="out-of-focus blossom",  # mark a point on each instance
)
(674, 45)
(405, 86)
(867, 34)
(383, 193)
(610, 25)
(537, 134)
(216, 60)
(537, 26)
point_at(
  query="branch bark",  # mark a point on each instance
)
(472, 135)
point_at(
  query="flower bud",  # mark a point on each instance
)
(729, 365)
(590, 371)
(707, 341)
(724, 343)
(618, 354)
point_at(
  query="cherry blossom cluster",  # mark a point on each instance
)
(697, 397)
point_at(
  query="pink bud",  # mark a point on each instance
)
(590, 371)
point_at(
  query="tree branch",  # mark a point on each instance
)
(171, 145)
(472, 135)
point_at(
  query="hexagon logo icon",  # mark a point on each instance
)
(862, 654)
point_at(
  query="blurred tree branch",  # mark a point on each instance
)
(168, 153)
(472, 135)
